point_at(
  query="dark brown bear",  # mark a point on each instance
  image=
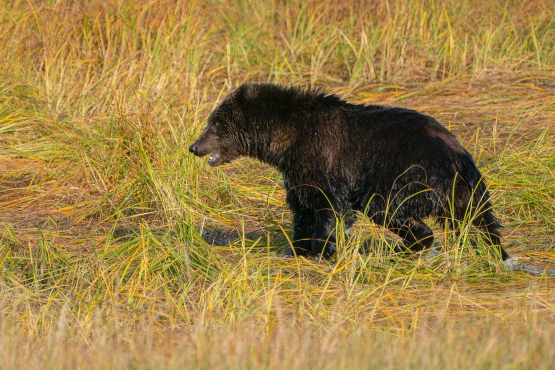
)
(395, 165)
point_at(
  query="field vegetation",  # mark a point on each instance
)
(119, 249)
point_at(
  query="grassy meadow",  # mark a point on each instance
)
(119, 249)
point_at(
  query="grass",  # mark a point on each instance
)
(104, 259)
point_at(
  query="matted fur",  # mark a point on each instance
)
(396, 165)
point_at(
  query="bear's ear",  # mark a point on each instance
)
(251, 91)
(241, 94)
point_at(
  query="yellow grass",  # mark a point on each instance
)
(106, 255)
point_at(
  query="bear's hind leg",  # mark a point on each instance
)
(416, 235)
(490, 227)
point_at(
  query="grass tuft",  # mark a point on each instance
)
(118, 249)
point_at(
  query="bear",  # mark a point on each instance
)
(395, 165)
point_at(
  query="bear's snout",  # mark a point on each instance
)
(193, 149)
(203, 146)
(206, 143)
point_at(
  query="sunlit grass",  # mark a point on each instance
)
(104, 259)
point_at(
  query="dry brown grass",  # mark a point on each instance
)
(102, 262)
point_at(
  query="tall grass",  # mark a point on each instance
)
(106, 255)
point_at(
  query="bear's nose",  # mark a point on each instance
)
(193, 149)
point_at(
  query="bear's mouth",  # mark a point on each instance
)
(215, 158)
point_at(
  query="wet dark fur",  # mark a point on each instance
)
(397, 165)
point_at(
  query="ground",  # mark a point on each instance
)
(119, 249)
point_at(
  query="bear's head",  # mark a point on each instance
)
(218, 137)
(241, 124)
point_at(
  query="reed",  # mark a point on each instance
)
(106, 255)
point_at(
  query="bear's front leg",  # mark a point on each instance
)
(303, 223)
(323, 238)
